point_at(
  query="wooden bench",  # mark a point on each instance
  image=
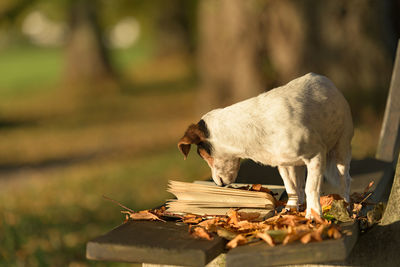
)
(170, 244)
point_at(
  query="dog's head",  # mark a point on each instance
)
(224, 167)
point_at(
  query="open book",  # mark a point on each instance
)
(205, 198)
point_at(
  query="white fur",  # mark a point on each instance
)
(304, 123)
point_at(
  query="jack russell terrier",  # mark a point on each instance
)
(306, 123)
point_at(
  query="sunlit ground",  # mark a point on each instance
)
(58, 156)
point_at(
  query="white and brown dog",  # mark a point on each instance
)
(304, 124)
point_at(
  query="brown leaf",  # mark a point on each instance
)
(267, 238)
(260, 188)
(317, 235)
(208, 223)
(334, 232)
(256, 187)
(292, 220)
(238, 240)
(144, 215)
(233, 217)
(246, 225)
(199, 232)
(328, 199)
(191, 219)
(317, 217)
(296, 234)
(306, 238)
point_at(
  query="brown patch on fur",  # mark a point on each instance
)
(193, 135)
(207, 157)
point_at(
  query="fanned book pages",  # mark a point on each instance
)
(208, 199)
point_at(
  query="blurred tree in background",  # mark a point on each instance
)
(87, 59)
(255, 45)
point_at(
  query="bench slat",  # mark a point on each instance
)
(317, 252)
(154, 242)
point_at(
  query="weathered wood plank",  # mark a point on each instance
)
(154, 242)
(261, 254)
(390, 128)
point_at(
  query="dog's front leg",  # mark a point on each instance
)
(315, 168)
(293, 179)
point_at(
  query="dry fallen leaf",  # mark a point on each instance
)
(192, 219)
(238, 240)
(267, 238)
(199, 232)
(306, 238)
(334, 232)
(233, 216)
(142, 215)
(256, 187)
(318, 218)
(328, 199)
(207, 223)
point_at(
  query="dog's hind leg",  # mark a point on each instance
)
(293, 178)
(300, 172)
(343, 158)
(315, 171)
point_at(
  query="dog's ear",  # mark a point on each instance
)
(193, 135)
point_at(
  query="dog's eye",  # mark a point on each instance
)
(205, 146)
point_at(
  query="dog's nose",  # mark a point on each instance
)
(221, 182)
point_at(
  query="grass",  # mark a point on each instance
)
(24, 66)
(47, 217)
(57, 158)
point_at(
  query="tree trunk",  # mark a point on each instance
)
(87, 61)
(228, 56)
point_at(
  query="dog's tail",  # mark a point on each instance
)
(331, 171)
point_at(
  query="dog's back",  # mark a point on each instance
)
(286, 123)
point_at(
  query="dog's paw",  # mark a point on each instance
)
(313, 214)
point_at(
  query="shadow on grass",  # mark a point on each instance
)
(8, 123)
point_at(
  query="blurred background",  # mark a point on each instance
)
(95, 94)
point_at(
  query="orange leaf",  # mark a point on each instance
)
(256, 187)
(144, 215)
(317, 235)
(233, 217)
(192, 219)
(334, 232)
(238, 240)
(267, 238)
(208, 223)
(317, 217)
(199, 232)
(327, 200)
(306, 238)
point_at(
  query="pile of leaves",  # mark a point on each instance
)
(283, 228)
